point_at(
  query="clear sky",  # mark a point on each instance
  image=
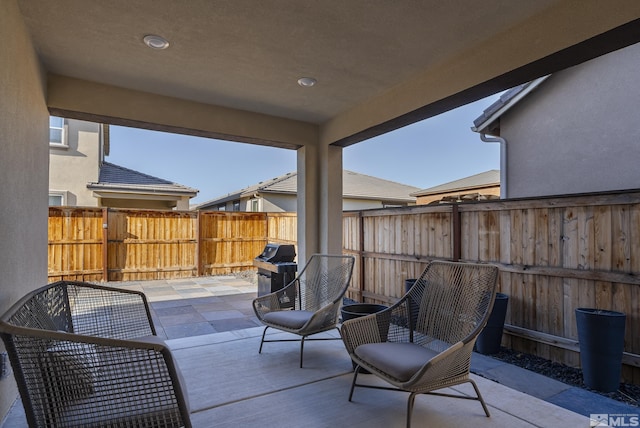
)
(425, 154)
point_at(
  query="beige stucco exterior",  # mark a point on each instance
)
(73, 166)
(24, 133)
(76, 164)
(578, 131)
(142, 201)
(273, 202)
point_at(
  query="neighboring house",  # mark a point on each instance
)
(120, 187)
(280, 195)
(575, 131)
(79, 176)
(483, 186)
(75, 150)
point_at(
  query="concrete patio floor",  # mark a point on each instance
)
(230, 384)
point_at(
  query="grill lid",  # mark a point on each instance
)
(276, 253)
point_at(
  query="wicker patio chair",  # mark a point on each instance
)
(424, 342)
(87, 355)
(317, 294)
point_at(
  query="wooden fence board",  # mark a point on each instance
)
(151, 244)
(230, 241)
(75, 244)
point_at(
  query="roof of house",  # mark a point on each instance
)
(483, 179)
(355, 186)
(507, 100)
(114, 177)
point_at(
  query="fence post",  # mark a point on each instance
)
(361, 253)
(199, 261)
(105, 244)
(457, 232)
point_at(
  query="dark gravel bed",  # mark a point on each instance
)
(627, 393)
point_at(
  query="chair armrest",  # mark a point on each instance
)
(359, 331)
(327, 316)
(393, 324)
(451, 363)
(276, 301)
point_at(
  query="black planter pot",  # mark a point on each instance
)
(408, 283)
(358, 310)
(490, 337)
(414, 306)
(601, 339)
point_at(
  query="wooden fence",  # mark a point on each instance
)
(100, 244)
(555, 255)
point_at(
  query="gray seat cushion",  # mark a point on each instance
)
(288, 319)
(398, 360)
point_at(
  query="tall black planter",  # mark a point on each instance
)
(601, 338)
(408, 283)
(489, 339)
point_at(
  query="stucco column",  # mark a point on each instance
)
(24, 171)
(319, 201)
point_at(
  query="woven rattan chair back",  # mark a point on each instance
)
(323, 281)
(318, 290)
(452, 300)
(424, 342)
(87, 355)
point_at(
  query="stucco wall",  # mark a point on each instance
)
(279, 203)
(71, 168)
(288, 203)
(145, 204)
(360, 204)
(578, 132)
(24, 134)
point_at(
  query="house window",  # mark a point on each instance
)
(222, 207)
(57, 136)
(57, 199)
(236, 205)
(255, 205)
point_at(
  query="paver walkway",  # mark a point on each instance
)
(196, 306)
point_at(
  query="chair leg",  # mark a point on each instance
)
(412, 399)
(262, 340)
(301, 349)
(353, 383)
(484, 406)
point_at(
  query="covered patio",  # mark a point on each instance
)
(230, 72)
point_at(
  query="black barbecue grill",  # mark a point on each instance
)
(276, 268)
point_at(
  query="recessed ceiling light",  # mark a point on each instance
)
(307, 82)
(155, 42)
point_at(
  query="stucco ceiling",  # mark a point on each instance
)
(377, 62)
